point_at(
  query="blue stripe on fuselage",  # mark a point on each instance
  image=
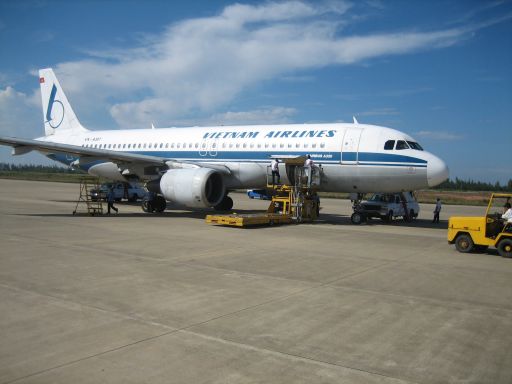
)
(363, 158)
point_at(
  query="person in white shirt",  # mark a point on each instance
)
(274, 166)
(308, 162)
(507, 213)
(437, 210)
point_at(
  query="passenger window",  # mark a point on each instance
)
(313, 145)
(389, 145)
(245, 145)
(281, 145)
(401, 144)
(322, 145)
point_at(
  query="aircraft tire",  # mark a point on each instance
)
(159, 204)
(225, 205)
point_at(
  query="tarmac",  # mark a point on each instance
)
(141, 298)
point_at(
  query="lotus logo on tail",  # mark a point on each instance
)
(55, 111)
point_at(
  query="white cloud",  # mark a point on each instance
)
(17, 116)
(202, 64)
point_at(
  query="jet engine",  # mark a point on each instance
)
(192, 187)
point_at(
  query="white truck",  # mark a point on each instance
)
(129, 191)
(386, 206)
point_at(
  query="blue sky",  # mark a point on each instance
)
(439, 70)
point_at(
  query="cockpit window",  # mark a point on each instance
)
(389, 144)
(415, 145)
(401, 144)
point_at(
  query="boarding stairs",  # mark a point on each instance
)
(85, 203)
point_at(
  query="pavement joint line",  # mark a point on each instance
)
(313, 285)
(186, 329)
(290, 355)
(96, 308)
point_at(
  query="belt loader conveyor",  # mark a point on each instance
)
(290, 203)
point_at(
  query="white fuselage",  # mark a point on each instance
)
(353, 156)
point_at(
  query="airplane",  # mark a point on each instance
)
(198, 166)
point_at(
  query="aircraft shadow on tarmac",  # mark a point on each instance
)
(177, 211)
(174, 210)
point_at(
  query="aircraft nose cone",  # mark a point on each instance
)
(437, 171)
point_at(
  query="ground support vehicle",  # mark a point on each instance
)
(128, 191)
(478, 233)
(387, 207)
(295, 203)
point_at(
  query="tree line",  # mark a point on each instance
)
(6, 167)
(472, 185)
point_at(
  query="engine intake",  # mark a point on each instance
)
(194, 187)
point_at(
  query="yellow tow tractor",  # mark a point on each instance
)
(478, 233)
(291, 203)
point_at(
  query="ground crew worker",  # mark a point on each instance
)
(507, 216)
(308, 162)
(110, 200)
(437, 210)
(274, 166)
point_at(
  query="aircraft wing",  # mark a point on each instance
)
(22, 146)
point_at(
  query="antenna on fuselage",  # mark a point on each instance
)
(355, 120)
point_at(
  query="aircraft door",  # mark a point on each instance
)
(350, 146)
(208, 148)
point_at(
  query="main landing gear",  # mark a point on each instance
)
(225, 204)
(155, 203)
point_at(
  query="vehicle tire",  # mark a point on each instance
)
(505, 248)
(357, 218)
(133, 198)
(464, 243)
(389, 217)
(118, 200)
(412, 215)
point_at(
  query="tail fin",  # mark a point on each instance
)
(57, 113)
